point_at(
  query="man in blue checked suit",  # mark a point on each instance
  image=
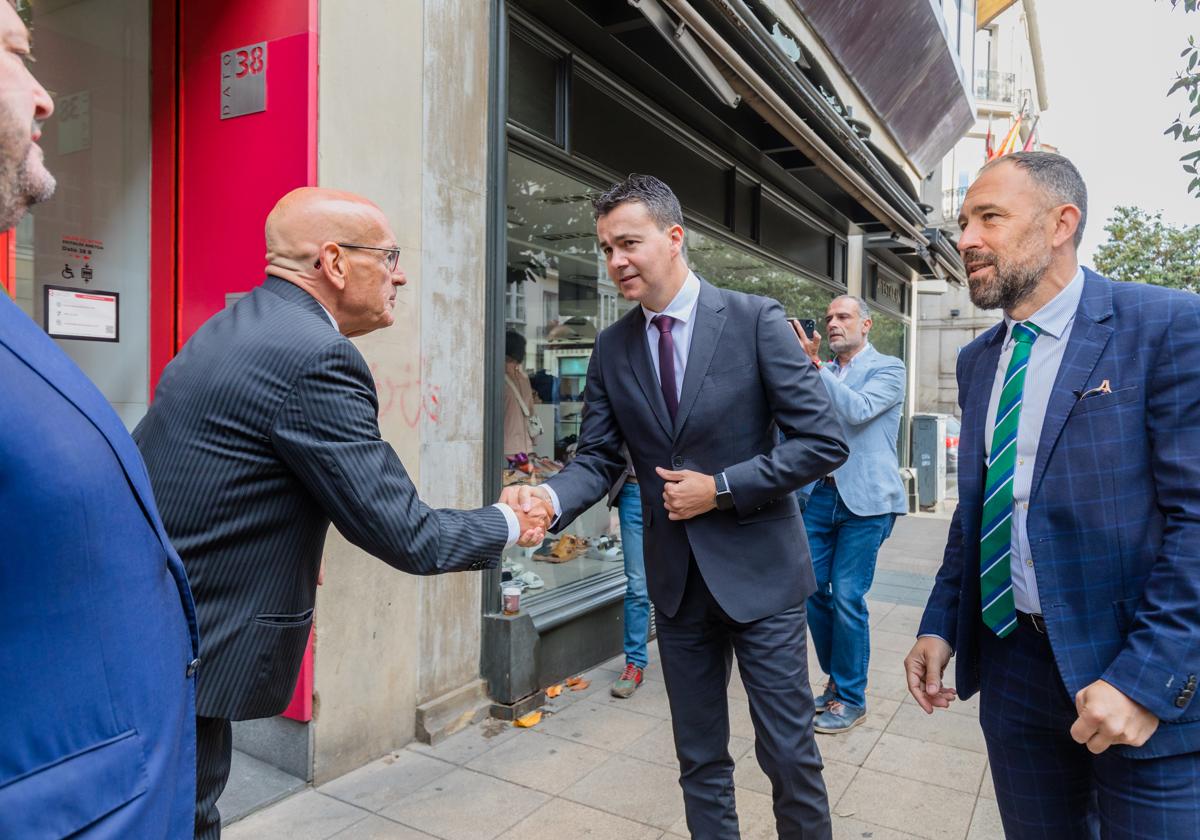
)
(1070, 588)
(98, 638)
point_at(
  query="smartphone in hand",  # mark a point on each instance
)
(807, 324)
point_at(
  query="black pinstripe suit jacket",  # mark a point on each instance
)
(264, 429)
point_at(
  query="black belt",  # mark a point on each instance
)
(1034, 620)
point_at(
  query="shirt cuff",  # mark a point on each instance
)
(514, 527)
(554, 501)
(936, 636)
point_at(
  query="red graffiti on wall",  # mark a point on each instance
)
(407, 393)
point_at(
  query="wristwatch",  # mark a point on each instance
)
(724, 497)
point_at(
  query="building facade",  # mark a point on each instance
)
(797, 146)
(1010, 95)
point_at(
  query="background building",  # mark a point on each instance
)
(1009, 85)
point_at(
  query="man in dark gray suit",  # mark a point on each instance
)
(264, 429)
(696, 381)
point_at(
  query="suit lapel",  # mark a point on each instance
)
(639, 360)
(705, 334)
(38, 351)
(1088, 339)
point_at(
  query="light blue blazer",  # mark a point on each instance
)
(868, 404)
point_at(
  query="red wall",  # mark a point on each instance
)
(213, 181)
(233, 171)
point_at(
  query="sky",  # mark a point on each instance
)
(1108, 66)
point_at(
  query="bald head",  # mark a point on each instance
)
(333, 244)
(309, 216)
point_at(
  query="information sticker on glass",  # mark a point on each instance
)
(82, 315)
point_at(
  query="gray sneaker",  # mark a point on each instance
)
(838, 717)
(822, 700)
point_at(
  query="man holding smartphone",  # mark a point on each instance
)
(851, 510)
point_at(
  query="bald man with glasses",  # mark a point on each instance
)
(263, 431)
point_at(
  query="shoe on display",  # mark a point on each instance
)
(822, 700)
(628, 682)
(838, 717)
(531, 579)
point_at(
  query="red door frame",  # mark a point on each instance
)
(167, 330)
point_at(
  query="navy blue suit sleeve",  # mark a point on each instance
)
(812, 445)
(1163, 646)
(327, 432)
(941, 611)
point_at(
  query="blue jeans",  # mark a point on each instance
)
(844, 547)
(637, 601)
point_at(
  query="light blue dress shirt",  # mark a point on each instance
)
(1055, 320)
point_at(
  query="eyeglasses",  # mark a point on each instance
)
(393, 254)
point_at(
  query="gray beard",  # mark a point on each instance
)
(1012, 283)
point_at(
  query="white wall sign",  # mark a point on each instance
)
(87, 316)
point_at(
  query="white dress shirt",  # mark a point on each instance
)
(1055, 320)
(683, 309)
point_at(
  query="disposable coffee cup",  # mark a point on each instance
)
(510, 599)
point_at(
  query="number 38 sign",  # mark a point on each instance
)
(244, 80)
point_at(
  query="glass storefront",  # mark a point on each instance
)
(557, 298)
(93, 236)
(573, 127)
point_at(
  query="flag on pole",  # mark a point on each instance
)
(1029, 141)
(1010, 139)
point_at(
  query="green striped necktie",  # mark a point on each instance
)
(995, 545)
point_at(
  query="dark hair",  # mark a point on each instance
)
(656, 196)
(514, 346)
(1056, 176)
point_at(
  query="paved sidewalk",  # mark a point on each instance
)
(599, 767)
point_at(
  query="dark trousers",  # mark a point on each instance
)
(214, 749)
(696, 646)
(1048, 786)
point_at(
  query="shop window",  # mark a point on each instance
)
(93, 235)
(731, 267)
(557, 284)
(620, 138)
(533, 86)
(788, 235)
(889, 335)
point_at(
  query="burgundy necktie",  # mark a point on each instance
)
(666, 362)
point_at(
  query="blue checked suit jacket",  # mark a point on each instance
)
(1114, 509)
(97, 625)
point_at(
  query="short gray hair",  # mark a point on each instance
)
(864, 311)
(1056, 176)
(655, 195)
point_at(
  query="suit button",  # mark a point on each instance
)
(1180, 702)
(676, 462)
(192, 668)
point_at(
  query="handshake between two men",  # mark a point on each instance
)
(686, 494)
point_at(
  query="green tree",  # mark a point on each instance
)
(1187, 81)
(1142, 248)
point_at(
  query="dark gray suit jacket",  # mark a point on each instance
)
(746, 374)
(264, 429)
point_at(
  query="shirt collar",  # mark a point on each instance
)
(1058, 313)
(853, 359)
(683, 305)
(328, 315)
